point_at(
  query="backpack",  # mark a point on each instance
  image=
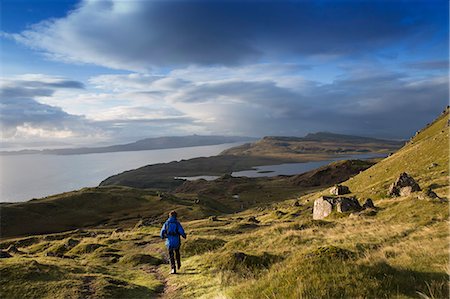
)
(172, 228)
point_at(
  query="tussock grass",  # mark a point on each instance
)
(401, 251)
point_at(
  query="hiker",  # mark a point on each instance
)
(171, 231)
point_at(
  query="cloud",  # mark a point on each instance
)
(23, 116)
(429, 65)
(245, 101)
(31, 110)
(141, 35)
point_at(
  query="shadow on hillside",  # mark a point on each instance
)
(409, 282)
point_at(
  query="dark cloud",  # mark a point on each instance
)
(19, 111)
(143, 34)
(33, 88)
(381, 104)
(19, 108)
(429, 65)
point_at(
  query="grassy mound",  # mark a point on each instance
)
(243, 263)
(140, 259)
(325, 274)
(85, 248)
(199, 246)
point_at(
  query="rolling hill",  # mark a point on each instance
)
(267, 151)
(270, 249)
(314, 143)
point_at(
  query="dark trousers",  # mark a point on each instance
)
(174, 253)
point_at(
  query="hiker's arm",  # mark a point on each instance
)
(181, 230)
(163, 232)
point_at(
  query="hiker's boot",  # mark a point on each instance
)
(179, 266)
(174, 271)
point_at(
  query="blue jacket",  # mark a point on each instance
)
(172, 241)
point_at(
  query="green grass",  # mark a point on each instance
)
(399, 252)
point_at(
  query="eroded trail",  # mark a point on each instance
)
(166, 289)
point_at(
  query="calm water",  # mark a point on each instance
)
(285, 169)
(24, 177)
(296, 168)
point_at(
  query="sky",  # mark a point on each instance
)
(94, 72)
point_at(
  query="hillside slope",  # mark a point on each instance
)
(118, 206)
(399, 250)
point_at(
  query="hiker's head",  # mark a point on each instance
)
(173, 214)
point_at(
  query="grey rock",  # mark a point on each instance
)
(403, 186)
(368, 204)
(347, 204)
(253, 219)
(13, 249)
(405, 191)
(297, 203)
(339, 190)
(324, 205)
(4, 254)
(431, 194)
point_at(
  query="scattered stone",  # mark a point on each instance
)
(431, 194)
(280, 213)
(118, 230)
(236, 196)
(406, 191)
(403, 186)
(71, 243)
(324, 205)
(197, 201)
(253, 219)
(13, 249)
(4, 254)
(433, 165)
(339, 190)
(347, 204)
(297, 203)
(213, 218)
(368, 204)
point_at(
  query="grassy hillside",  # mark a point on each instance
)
(92, 207)
(118, 206)
(399, 250)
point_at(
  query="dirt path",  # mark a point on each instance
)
(166, 290)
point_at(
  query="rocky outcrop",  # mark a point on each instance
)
(13, 249)
(368, 204)
(252, 219)
(339, 190)
(403, 186)
(324, 205)
(4, 254)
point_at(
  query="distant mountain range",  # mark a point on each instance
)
(140, 145)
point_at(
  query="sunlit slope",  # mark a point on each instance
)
(425, 157)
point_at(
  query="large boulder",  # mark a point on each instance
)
(324, 205)
(339, 190)
(403, 186)
(347, 204)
